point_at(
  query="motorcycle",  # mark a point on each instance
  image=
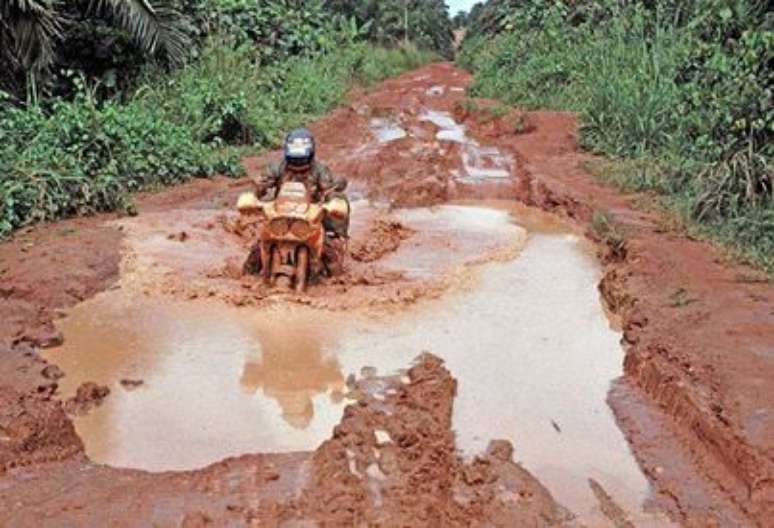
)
(293, 237)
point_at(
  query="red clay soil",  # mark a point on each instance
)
(696, 401)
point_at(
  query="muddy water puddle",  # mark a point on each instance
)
(526, 338)
(386, 130)
(478, 162)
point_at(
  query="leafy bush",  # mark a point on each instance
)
(388, 22)
(82, 156)
(226, 98)
(103, 40)
(274, 29)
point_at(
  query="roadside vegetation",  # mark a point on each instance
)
(101, 99)
(678, 94)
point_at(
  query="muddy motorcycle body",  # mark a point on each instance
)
(292, 239)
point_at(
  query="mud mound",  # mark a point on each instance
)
(401, 465)
(383, 237)
(245, 227)
(88, 396)
(493, 121)
(392, 461)
(430, 190)
(34, 429)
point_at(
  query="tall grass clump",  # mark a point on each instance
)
(227, 98)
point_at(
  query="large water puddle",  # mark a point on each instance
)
(526, 338)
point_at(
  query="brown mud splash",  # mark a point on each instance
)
(383, 246)
(383, 237)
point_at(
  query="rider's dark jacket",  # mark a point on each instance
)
(318, 178)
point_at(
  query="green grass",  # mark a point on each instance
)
(747, 233)
(610, 232)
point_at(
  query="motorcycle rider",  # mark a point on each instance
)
(299, 165)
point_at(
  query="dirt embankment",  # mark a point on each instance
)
(696, 401)
(43, 270)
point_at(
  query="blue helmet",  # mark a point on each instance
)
(299, 147)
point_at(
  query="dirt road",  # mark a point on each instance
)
(472, 240)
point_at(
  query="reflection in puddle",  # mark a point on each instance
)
(528, 342)
(449, 129)
(292, 368)
(218, 381)
(451, 236)
(435, 91)
(484, 163)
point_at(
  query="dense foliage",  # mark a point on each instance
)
(110, 41)
(683, 87)
(40, 37)
(122, 119)
(424, 22)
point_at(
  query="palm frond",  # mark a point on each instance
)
(155, 25)
(30, 30)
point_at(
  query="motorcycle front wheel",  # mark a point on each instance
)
(275, 260)
(302, 269)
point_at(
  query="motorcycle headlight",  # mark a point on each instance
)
(301, 228)
(279, 227)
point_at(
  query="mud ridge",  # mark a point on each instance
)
(392, 460)
(734, 466)
(751, 486)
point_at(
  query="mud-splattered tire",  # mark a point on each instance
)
(302, 269)
(275, 257)
(253, 265)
